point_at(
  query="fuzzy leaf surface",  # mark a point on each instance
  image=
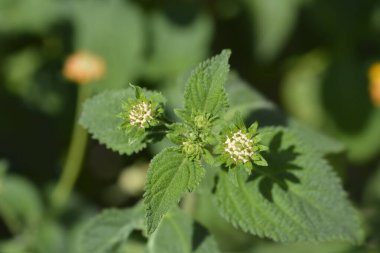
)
(99, 117)
(297, 197)
(109, 229)
(169, 176)
(179, 233)
(205, 87)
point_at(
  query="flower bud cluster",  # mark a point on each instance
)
(141, 114)
(239, 146)
(192, 149)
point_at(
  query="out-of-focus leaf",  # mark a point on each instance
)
(355, 124)
(74, 233)
(175, 48)
(301, 91)
(304, 97)
(109, 229)
(365, 144)
(49, 238)
(179, 233)
(372, 192)
(173, 90)
(20, 202)
(304, 247)
(132, 246)
(243, 98)
(3, 168)
(12, 246)
(273, 22)
(28, 15)
(319, 141)
(23, 79)
(376, 17)
(115, 32)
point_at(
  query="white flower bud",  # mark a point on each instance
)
(141, 114)
(239, 146)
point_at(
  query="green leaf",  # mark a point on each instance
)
(49, 237)
(176, 47)
(109, 229)
(363, 145)
(322, 144)
(309, 93)
(330, 247)
(273, 21)
(205, 88)
(99, 117)
(297, 197)
(243, 98)
(3, 169)
(20, 203)
(170, 175)
(179, 233)
(27, 15)
(133, 245)
(301, 89)
(25, 80)
(372, 189)
(12, 246)
(178, 133)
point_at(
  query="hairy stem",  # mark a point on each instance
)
(74, 158)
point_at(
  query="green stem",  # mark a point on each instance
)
(74, 159)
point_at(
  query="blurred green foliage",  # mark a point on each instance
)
(310, 57)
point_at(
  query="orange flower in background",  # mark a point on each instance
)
(374, 87)
(84, 67)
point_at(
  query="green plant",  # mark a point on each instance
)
(272, 181)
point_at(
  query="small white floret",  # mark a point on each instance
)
(141, 114)
(239, 146)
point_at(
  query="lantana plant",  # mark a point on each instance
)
(266, 181)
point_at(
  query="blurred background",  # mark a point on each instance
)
(315, 59)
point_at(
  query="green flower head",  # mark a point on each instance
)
(193, 150)
(192, 135)
(141, 112)
(239, 146)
